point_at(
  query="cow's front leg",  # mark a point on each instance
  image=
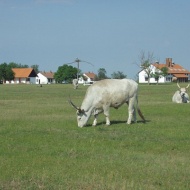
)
(95, 120)
(95, 113)
(106, 113)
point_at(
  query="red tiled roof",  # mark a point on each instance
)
(23, 72)
(180, 75)
(49, 75)
(90, 75)
(174, 69)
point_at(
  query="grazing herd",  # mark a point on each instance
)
(114, 93)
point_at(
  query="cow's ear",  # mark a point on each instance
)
(81, 110)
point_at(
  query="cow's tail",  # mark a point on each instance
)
(139, 112)
(141, 115)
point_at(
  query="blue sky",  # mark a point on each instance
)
(109, 34)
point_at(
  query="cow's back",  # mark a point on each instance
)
(113, 86)
(110, 91)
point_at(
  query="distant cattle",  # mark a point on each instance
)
(105, 94)
(174, 79)
(75, 83)
(181, 96)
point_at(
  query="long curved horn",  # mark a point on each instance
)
(178, 85)
(72, 104)
(188, 86)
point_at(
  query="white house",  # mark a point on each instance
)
(175, 72)
(23, 75)
(143, 77)
(45, 78)
(88, 78)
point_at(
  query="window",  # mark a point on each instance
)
(50, 80)
(168, 79)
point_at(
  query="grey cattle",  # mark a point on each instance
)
(105, 94)
(181, 96)
(75, 83)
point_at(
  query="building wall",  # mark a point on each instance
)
(81, 81)
(88, 80)
(143, 76)
(30, 80)
(41, 79)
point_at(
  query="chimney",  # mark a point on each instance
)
(169, 62)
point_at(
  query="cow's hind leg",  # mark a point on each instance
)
(131, 110)
(134, 114)
(107, 120)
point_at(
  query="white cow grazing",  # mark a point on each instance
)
(181, 96)
(105, 94)
(75, 83)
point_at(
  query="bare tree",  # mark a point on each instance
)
(145, 63)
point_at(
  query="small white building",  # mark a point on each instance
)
(143, 77)
(45, 78)
(88, 78)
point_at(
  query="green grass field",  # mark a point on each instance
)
(41, 146)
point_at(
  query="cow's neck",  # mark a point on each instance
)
(87, 106)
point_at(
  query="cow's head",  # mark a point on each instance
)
(82, 116)
(183, 91)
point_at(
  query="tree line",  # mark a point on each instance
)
(68, 73)
(63, 73)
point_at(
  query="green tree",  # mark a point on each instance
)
(164, 71)
(158, 73)
(101, 74)
(65, 73)
(36, 68)
(17, 65)
(6, 73)
(118, 75)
